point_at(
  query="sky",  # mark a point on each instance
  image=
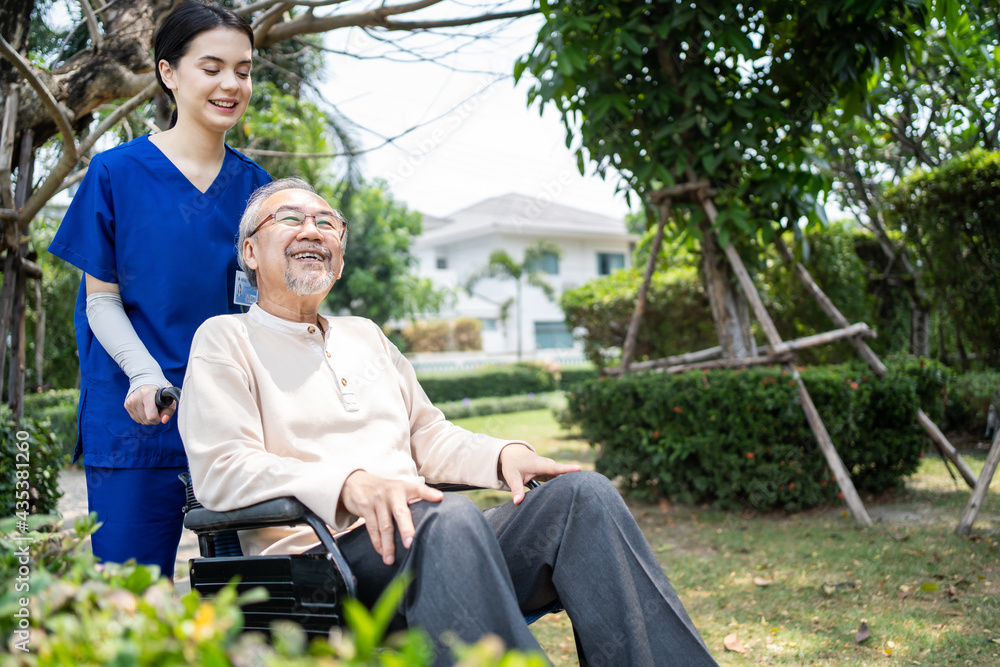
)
(476, 138)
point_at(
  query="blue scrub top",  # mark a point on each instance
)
(139, 222)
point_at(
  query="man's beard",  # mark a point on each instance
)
(310, 282)
(313, 282)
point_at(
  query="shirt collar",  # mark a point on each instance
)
(264, 318)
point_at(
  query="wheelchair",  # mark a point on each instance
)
(308, 588)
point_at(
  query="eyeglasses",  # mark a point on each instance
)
(328, 223)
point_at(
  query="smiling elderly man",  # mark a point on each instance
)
(281, 401)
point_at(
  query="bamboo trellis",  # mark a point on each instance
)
(778, 351)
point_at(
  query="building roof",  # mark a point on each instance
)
(516, 214)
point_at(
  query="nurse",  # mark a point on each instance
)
(153, 228)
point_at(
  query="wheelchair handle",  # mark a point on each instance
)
(166, 396)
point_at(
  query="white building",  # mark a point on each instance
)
(452, 249)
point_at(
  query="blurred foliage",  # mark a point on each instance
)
(462, 334)
(379, 280)
(82, 613)
(30, 460)
(667, 92)
(950, 219)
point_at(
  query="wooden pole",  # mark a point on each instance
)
(39, 335)
(686, 358)
(15, 391)
(770, 355)
(778, 358)
(872, 360)
(982, 486)
(640, 302)
(840, 472)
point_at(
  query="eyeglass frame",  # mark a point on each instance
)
(305, 218)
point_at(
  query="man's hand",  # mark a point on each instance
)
(519, 465)
(141, 406)
(380, 502)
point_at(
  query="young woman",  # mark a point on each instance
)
(153, 228)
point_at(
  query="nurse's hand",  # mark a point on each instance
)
(141, 406)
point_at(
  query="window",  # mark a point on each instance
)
(609, 261)
(489, 323)
(549, 263)
(442, 263)
(552, 336)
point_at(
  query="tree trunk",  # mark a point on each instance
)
(14, 21)
(729, 306)
(920, 331)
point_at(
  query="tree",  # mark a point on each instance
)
(934, 107)
(377, 282)
(717, 95)
(62, 109)
(950, 219)
(526, 272)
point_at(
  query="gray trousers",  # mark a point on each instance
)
(572, 540)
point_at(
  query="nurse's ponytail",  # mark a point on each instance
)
(188, 20)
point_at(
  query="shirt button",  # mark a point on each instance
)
(327, 355)
(311, 329)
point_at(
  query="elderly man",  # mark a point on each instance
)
(281, 401)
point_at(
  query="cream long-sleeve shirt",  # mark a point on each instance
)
(274, 408)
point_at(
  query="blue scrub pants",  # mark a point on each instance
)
(142, 514)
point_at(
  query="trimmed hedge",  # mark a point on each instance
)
(33, 444)
(57, 409)
(499, 405)
(740, 439)
(509, 380)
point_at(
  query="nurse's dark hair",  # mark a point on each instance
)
(252, 213)
(188, 20)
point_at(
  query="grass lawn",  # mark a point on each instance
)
(795, 589)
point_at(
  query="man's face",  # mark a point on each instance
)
(293, 260)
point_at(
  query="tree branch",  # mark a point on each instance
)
(264, 4)
(95, 31)
(65, 165)
(424, 25)
(308, 23)
(44, 94)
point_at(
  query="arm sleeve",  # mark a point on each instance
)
(222, 430)
(442, 451)
(112, 328)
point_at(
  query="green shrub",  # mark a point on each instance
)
(951, 222)
(498, 405)
(677, 317)
(740, 439)
(77, 614)
(30, 453)
(57, 408)
(969, 400)
(509, 380)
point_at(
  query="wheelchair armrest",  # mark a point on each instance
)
(456, 488)
(277, 512)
